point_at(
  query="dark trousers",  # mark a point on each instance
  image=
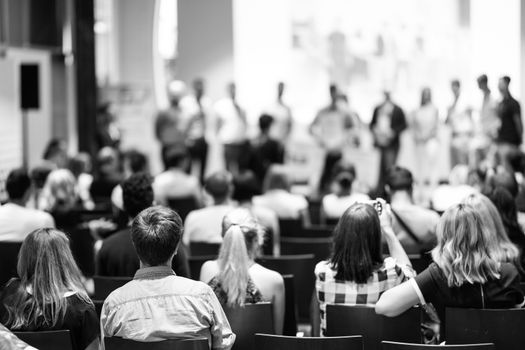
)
(330, 159)
(232, 156)
(388, 160)
(198, 150)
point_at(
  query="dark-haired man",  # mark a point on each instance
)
(117, 256)
(511, 125)
(157, 304)
(17, 221)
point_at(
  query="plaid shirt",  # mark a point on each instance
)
(332, 291)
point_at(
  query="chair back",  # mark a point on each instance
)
(388, 345)
(116, 343)
(98, 306)
(503, 327)
(319, 247)
(48, 340)
(105, 285)
(248, 320)
(302, 268)
(317, 231)
(290, 227)
(83, 248)
(203, 248)
(196, 263)
(279, 342)
(183, 205)
(363, 320)
(290, 309)
(8, 261)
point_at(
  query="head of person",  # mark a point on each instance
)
(198, 87)
(134, 162)
(426, 96)
(387, 94)
(483, 82)
(17, 185)
(175, 156)
(399, 179)
(462, 252)
(241, 238)
(176, 91)
(265, 123)
(276, 179)
(60, 191)
(343, 181)
(516, 159)
(156, 233)
(104, 115)
(137, 193)
(40, 173)
(56, 152)
(280, 89)
(455, 86)
(219, 186)
(458, 175)
(47, 270)
(334, 93)
(107, 162)
(80, 164)
(246, 186)
(506, 205)
(503, 84)
(356, 250)
(232, 90)
(497, 240)
(502, 179)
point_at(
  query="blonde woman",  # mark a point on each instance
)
(235, 277)
(463, 274)
(49, 295)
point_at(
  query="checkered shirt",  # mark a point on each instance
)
(332, 291)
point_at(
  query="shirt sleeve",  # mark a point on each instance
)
(222, 336)
(425, 284)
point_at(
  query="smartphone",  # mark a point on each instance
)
(376, 205)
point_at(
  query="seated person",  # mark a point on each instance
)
(357, 266)
(117, 256)
(202, 225)
(132, 162)
(107, 176)
(80, 166)
(235, 277)
(17, 221)
(463, 273)
(414, 225)
(157, 304)
(38, 177)
(341, 197)
(453, 192)
(266, 149)
(49, 295)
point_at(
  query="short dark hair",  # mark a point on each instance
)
(506, 79)
(219, 185)
(174, 155)
(483, 79)
(137, 193)
(265, 122)
(356, 251)
(137, 160)
(455, 82)
(17, 183)
(53, 147)
(399, 179)
(156, 233)
(40, 173)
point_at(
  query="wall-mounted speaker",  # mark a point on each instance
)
(29, 86)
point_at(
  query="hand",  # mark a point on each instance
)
(386, 214)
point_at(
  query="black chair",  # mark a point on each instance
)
(290, 227)
(203, 248)
(105, 285)
(505, 328)
(314, 210)
(248, 320)
(196, 263)
(388, 345)
(116, 343)
(290, 311)
(49, 340)
(279, 342)
(302, 268)
(317, 231)
(83, 248)
(522, 287)
(319, 247)
(183, 205)
(363, 320)
(8, 260)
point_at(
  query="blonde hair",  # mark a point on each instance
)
(242, 237)
(60, 191)
(47, 270)
(462, 252)
(500, 247)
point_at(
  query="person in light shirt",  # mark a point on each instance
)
(282, 115)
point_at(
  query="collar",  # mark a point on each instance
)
(154, 272)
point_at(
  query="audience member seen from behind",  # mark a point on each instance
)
(133, 162)
(80, 166)
(357, 266)
(202, 225)
(414, 225)
(463, 274)
(17, 221)
(235, 277)
(48, 294)
(38, 177)
(454, 191)
(117, 256)
(56, 153)
(107, 176)
(267, 150)
(158, 305)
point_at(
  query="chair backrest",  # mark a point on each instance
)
(248, 320)
(290, 227)
(388, 345)
(49, 340)
(115, 343)
(183, 205)
(203, 248)
(105, 285)
(363, 320)
(83, 248)
(196, 263)
(279, 342)
(503, 327)
(317, 231)
(8, 260)
(319, 247)
(290, 310)
(302, 268)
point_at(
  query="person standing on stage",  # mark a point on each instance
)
(510, 133)
(168, 122)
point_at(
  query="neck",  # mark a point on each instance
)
(166, 264)
(401, 197)
(21, 202)
(222, 202)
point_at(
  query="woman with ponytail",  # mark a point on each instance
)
(235, 277)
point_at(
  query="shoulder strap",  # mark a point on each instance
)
(405, 227)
